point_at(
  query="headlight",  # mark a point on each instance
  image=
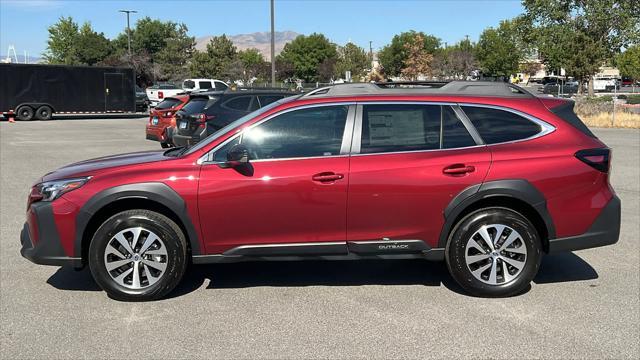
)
(52, 190)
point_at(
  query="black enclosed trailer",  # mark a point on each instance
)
(37, 91)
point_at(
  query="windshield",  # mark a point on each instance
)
(167, 103)
(196, 105)
(206, 141)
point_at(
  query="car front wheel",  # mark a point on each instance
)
(494, 252)
(138, 255)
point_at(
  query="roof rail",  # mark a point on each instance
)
(472, 88)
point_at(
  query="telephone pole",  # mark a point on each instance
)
(128, 27)
(273, 48)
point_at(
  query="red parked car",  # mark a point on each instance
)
(162, 120)
(484, 176)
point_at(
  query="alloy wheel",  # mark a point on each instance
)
(495, 254)
(135, 258)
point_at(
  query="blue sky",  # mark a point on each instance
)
(24, 23)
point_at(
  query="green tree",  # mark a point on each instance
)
(173, 59)
(163, 48)
(91, 47)
(216, 61)
(61, 43)
(352, 58)
(499, 50)
(393, 56)
(628, 62)
(581, 35)
(457, 61)
(307, 54)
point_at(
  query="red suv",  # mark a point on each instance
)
(162, 120)
(482, 175)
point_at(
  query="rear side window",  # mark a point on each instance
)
(204, 84)
(454, 134)
(167, 103)
(497, 126)
(189, 84)
(268, 99)
(220, 86)
(394, 128)
(240, 103)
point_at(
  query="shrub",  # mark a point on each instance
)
(633, 99)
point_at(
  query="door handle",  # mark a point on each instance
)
(458, 169)
(327, 177)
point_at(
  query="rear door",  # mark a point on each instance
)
(409, 161)
(114, 96)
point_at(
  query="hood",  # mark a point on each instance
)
(89, 167)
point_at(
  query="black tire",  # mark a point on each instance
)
(467, 227)
(174, 241)
(44, 112)
(24, 113)
(165, 145)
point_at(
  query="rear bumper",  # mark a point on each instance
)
(605, 230)
(45, 248)
(183, 140)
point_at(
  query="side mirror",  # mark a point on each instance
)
(237, 156)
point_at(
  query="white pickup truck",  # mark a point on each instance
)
(158, 92)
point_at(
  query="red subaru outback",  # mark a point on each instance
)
(162, 120)
(484, 176)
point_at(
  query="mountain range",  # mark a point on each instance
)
(257, 40)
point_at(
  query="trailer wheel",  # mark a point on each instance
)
(24, 113)
(44, 112)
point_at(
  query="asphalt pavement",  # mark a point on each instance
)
(581, 305)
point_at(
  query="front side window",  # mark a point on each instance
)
(310, 132)
(497, 126)
(189, 84)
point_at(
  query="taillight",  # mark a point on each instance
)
(599, 159)
(168, 114)
(202, 118)
(160, 95)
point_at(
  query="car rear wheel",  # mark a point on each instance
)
(494, 252)
(44, 113)
(24, 113)
(138, 255)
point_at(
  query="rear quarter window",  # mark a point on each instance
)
(498, 126)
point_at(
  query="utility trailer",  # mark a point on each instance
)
(31, 91)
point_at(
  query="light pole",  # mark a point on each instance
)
(128, 27)
(273, 48)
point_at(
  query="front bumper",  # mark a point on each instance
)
(44, 247)
(605, 230)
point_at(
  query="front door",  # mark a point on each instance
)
(294, 189)
(413, 159)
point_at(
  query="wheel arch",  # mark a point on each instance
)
(35, 106)
(156, 197)
(519, 195)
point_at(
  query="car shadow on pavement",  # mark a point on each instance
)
(563, 267)
(554, 268)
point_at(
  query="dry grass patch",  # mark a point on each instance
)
(622, 120)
